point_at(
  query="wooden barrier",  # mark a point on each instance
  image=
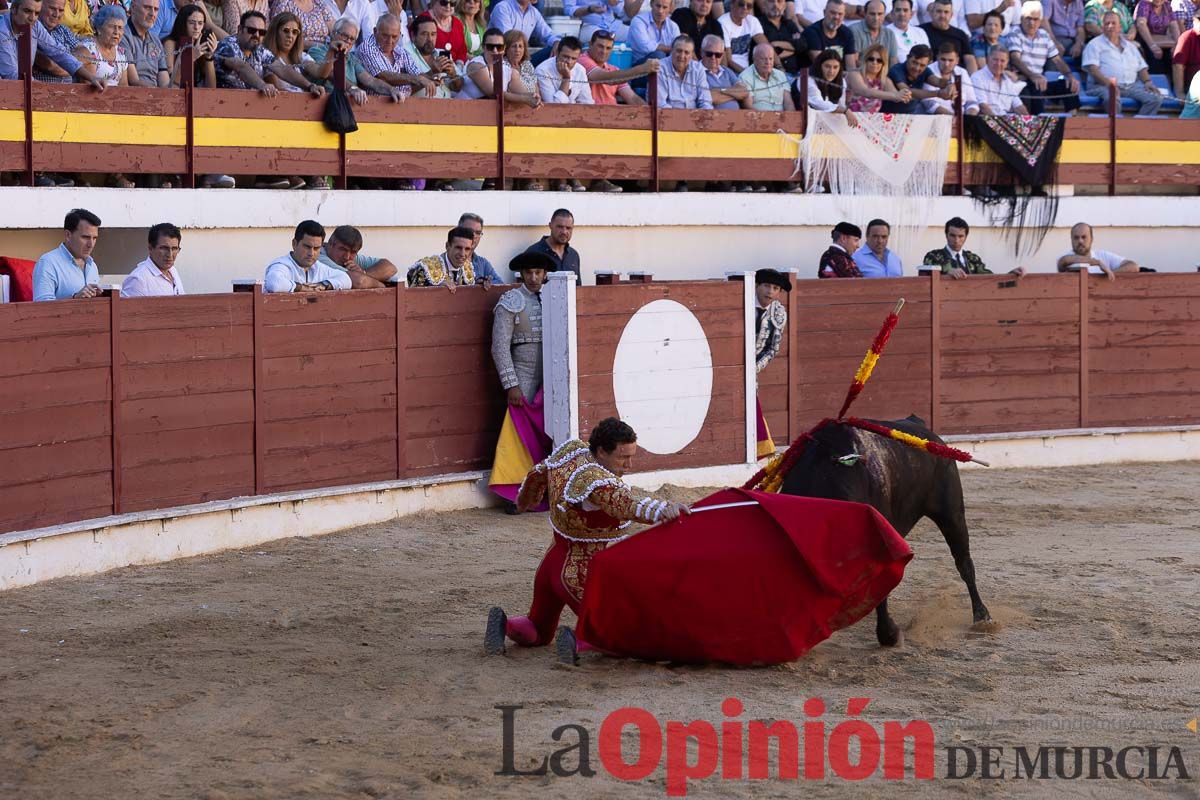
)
(56, 439)
(602, 316)
(112, 405)
(186, 370)
(69, 128)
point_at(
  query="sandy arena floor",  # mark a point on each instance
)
(351, 665)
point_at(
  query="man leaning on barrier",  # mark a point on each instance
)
(1084, 256)
(341, 252)
(68, 271)
(954, 260)
(26, 12)
(155, 276)
(300, 270)
(450, 268)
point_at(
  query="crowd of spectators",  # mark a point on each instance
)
(313, 264)
(899, 56)
(850, 256)
(318, 263)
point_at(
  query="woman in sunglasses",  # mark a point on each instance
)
(479, 74)
(474, 18)
(451, 35)
(875, 67)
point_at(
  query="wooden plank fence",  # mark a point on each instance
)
(113, 405)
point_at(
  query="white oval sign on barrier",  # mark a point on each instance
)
(663, 376)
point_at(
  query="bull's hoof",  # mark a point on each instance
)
(497, 629)
(888, 635)
(985, 625)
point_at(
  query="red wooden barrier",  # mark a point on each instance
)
(225, 395)
(603, 313)
(187, 400)
(55, 413)
(835, 321)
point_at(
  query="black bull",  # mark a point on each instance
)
(901, 482)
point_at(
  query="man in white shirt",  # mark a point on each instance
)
(742, 32)
(156, 276)
(996, 92)
(563, 79)
(1084, 256)
(907, 36)
(947, 67)
(1111, 56)
(300, 270)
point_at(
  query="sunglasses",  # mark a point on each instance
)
(874, 60)
(711, 54)
(494, 46)
(255, 31)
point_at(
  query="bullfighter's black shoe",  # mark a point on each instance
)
(564, 646)
(497, 627)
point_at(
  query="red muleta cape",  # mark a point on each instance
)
(756, 584)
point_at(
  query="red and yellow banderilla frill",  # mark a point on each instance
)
(770, 478)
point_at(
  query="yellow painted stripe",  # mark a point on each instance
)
(1095, 151)
(408, 138)
(12, 126)
(75, 127)
(1142, 151)
(64, 126)
(269, 133)
(698, 144)
(576, 141)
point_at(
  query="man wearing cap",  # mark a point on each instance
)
(770, 320)
(517, 351)
(836, 262)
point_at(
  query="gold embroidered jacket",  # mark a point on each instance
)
(587, 502)
(436, 271)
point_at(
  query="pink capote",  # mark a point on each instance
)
(759, 584)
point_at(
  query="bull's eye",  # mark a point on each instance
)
(848, 460)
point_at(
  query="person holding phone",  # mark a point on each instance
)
(451, 34)
(191, 29)
(438, 61)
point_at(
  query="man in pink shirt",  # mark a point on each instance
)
(609, 84)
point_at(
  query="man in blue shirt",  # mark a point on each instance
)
(483, 268)
(68, 270)
(651, 35)
(597, 15)
(683, 84)
(874, 260)
(26, 12)
(913, 74)
(520, 15)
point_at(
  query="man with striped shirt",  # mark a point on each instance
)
(1030, 48)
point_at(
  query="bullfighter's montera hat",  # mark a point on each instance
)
(527, 260)
(773, 277)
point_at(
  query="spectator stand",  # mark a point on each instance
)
(68, 128)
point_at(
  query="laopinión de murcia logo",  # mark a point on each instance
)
(632, 744)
